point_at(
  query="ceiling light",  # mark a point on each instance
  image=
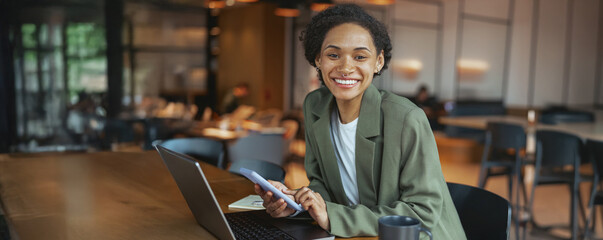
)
(319, 5)
(286, 12)
(212, 4)
(287, 9)
(215, 31)
(381, 2)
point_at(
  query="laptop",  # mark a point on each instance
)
(193, 185)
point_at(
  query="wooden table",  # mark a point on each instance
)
(104, 195)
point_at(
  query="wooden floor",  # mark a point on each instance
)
(551, 203)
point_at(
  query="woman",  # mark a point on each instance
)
(369, 153)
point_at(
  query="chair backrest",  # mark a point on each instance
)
(473, 108)
(265, 169)
(595, 153)
(117, 131)
(4, 229)
(506, 135)
(265, 147)
(477, 108)
(567, 116)
(483, 214)
(203, 149)
(556, 149)
(269, 117)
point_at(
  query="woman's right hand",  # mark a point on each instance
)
(277, 208)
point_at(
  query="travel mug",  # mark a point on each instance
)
(400, 227)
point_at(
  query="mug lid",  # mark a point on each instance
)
(398, 221)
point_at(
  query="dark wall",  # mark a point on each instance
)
(599, 74)
(7, 80)
(114, 12)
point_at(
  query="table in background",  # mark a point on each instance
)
(213, 130)
(480, 122)
(593, 130)
(104, 195)
(584, 130)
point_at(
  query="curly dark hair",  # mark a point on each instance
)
(315, 32)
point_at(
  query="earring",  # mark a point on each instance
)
(317, 69)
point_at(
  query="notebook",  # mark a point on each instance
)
(251, 202)
(195, 188)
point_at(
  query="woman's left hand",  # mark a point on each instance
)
(315, 205)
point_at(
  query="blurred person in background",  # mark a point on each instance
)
(84, 119)
(230, 102)
(425, 102)
(429, 106)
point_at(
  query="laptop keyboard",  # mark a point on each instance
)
(247, 226)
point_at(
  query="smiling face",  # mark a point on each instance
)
(347, 60)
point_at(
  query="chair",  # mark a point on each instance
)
(497, 161)
(265, 147)
(203, 149)
(265, 169)
(595, 152)
(558, 158)
(268, 118)
(472, 108)
(4, 229)
(483, 214)
(162, 128)
(116, 131)
(566, 116)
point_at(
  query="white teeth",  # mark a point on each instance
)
(345, 82)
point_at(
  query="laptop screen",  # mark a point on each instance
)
(195, 188)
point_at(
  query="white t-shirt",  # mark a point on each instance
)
(343, 137)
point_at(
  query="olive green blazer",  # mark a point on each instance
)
(397, 166)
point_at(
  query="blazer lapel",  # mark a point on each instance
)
(322, 133)
(369, 126)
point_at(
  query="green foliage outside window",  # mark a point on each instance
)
(41, 104)
(87, 62)
(28, 35)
